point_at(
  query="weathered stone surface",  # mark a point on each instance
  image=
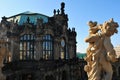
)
(100, 52)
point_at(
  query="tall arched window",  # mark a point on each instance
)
(27, 47)
(63, 47)
(47, 47)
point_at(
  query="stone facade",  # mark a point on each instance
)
(116, 70)
(117, 49)
(116, 66)
(39, 47)
(34, 46)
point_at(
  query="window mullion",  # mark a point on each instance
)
(27, 46)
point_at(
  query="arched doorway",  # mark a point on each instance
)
(119, 70)
(27, 77)
(114, 72)
(49, 77)
(64, 75)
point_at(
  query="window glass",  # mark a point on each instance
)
(47, 47)
(63, 49)
(27, 47)
(62, 54)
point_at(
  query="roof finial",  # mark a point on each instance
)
(62, 8)
(4, 18)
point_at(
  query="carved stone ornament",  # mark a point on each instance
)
(3, 50)
(100, 52)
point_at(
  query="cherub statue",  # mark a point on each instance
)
(94, 28)
(100, 51)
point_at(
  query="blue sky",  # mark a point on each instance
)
(79, 13)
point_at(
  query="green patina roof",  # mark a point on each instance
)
(27, 12)
(81, 55)
(22, 17)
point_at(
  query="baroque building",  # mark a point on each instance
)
(116, 65)
(117, 49)
(34, 46)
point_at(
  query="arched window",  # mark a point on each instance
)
(27, 47)
(47, 47)
(62, 53)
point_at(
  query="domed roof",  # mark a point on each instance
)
(22, 17)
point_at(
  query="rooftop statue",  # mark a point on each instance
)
(100, 52)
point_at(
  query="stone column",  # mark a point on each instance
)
(38, 48)
(56, 49)
(2, 54)
(14, 49)
(11, 49)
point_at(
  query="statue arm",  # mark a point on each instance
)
(92, 38)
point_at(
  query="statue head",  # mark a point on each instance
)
(93, 27)
(109, 27)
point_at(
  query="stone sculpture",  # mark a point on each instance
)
(100, 52)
